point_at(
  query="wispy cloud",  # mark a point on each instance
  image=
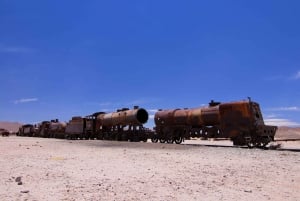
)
(138, 102)
(270, 116)
(281, 122)
(296, 76)
(292, 108)
(105, 104)
(15, 49)
(25, 100)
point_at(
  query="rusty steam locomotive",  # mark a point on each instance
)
(123, 125)
(240, 121)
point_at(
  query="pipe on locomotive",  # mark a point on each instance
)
(123, 117)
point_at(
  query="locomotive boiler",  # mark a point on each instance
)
(124, 124)
(240, 121)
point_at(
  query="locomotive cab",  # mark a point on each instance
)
(243, 123)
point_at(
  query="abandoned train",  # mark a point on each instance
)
(123, 125)
(240, 121)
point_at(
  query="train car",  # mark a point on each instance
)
(57, 129)
(4, 132)
(27, 130)
(75, 128)
(51, 129)
(91, 128)
(241, 121)
(123, 125)
(43, 129)
(82, 127)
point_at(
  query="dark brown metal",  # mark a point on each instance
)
(241, 121)
(27, 130)
(4, 132)
(75, 128)
(124, 117)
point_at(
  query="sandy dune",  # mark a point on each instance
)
(52, 169)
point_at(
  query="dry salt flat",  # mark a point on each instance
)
(52, 169)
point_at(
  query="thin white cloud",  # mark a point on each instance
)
(25, 100)
(270, 116)
(292, 108)
(281, 122)
(296, 76)
(142, 101)
(151, 116)
(11, 49)
(105, 104)
(136, 102)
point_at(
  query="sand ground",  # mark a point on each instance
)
(52, 169)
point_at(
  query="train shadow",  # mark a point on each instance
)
(150, 145)
(242, 147)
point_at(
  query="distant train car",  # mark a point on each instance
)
(75, 128)
(240, 121)
(27, 130)
(92, 126)
(43, 129)
(83, 127)
(57, 129)
(4, 132)
(51, 129)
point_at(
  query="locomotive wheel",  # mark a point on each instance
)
(261, 145)
(178, 140)
(170, 141)
(162, 140)
(154, 139)
(251, 144)
(264, 142)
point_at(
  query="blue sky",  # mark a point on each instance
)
(64, 58)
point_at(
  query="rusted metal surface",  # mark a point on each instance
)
(57, 129)
(4, 132)
(124, 124)
(27, 130)
(75, 126)
(51, 129)
(125, 116)
(241, 121)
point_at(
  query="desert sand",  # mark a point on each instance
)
(53, 169)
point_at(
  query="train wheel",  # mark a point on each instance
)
(154, 139)
(162, 140)
(170, 141)
(251, 144)
(178, 140)
(261, 145)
